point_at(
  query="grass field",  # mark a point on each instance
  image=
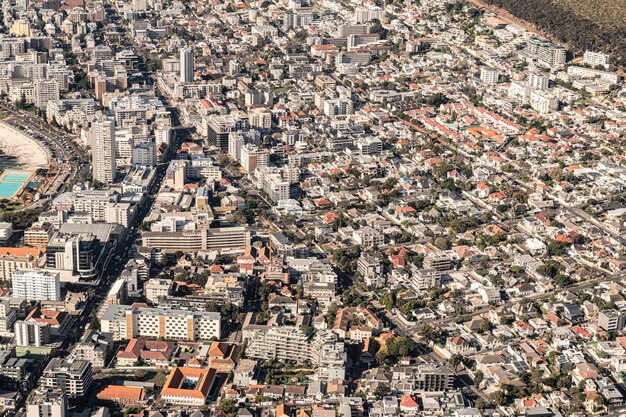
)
(606, 13)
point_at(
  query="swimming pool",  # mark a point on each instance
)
(15, 176)
(9, 189)
(12, 181)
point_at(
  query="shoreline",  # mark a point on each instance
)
(29, 153)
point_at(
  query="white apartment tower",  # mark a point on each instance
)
(36, 285)
(252, 157)
(597, 58)
(489, 75)
(102, 136)
(45, 91)
(186, 65)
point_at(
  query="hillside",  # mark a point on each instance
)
(583, 24)
(605, 13)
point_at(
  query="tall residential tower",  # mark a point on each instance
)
(102, 136)
(186, 65)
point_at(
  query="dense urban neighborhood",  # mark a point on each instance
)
(308, 208)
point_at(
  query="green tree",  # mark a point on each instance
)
(94, 322)
(228, 406)
(430, 333)
(382, 391)
(441, 242)
(498, 398)
(388, 300)
(556, 248)
(480, 404)
(479, 376)
(563, 280)
(549, 268)
(378, 28)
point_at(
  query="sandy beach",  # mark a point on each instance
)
(29, 153)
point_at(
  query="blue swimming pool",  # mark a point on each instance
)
(9, 189)
(16, 176)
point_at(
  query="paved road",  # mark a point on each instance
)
(75, 165)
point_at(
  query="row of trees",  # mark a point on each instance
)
(21, 219)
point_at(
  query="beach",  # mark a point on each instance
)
(27, 152)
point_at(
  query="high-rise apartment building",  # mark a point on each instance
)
(102, 137)
(186, 65)
(32, 333)
(489, 75)
(546, 53)
(45, 91)
(253, 157)
(219, 128)
(74, 377)
(36, 285)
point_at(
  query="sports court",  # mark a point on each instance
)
(12, 182)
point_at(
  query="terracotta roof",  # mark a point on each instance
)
(119, 392)
(178, 375)
(35, 252)
(408, 401)
(51, 317)
(218, 349)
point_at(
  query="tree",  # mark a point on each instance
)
(431, 333)
(21, 219)
(441, 242)
(388, 300)
(389, 183)
(437, 99)
(162, 262)
(94, 322)
(549, 268)
(485, 326)
(599, 402)
(479, 376)
(455, 361)
(382, 391)
(497, 398)
(413, 258)
(563, 280)
(301, 35)
(378, 28)
(556, 248)
(346, 259)
(480, 404)
(228, 406)
(21, 103)
(159, 379)
(397, 348)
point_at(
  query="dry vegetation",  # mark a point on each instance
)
(606, 13)
(598, 25)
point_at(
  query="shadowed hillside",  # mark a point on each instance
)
(584, 24)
